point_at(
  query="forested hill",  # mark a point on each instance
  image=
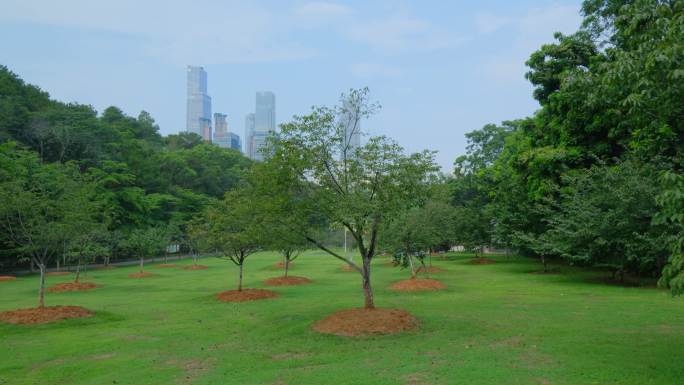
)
(140, 179)
(595, 176)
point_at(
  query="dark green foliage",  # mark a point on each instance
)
(138, 178)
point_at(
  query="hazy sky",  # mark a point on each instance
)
(438, 68)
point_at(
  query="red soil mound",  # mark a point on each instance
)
(165, 265)
(195, 267)
(140, 275)
(362, 322)
(481, 261)
(7, 278)
(418, 284)
(44, 315)
(73, 286)
(287, 281)
(245, 295)
(57, 273)
(430, 270)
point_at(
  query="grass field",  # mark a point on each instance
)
(495, 324)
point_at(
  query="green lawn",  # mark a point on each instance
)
(495, 324)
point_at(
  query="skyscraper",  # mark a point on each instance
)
(264, 123)
(249, 135)
(199, 103)
(222, 135)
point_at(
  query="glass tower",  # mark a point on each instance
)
(199, 103)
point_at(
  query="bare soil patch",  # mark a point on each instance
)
(245, 295)
(7, 278)
(364, 322)
(287, 281)
(44, 315)
(141, 275)
(165, 265)
(418, 284)
(195, 267)
(57, 273)
(346, 268)
(481, 261)
(430, 270)
(109, 267)
(73, 286)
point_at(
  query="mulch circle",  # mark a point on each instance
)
(44, 315)
(245, 295)
(287, 281)
(481, 261)
(195, 267)
(418, 284)
(7, 278)
(364, 322)
(430, 270)
(165, 265)
(141, 275)
(73, 286)
(57, 273)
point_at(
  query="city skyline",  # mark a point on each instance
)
(440, 70)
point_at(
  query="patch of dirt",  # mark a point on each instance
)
(347, 268)
(57, 273)
(287, 281)
(515, 342)
(73, 286)
(141, 275)
(430, 270)
(245, 295)
(195, 267)
(7, 278)
(418, 284)
(364, 322)
(165, 265)
(44, 315)
(481, 261)
(192, 369)
(110, 267)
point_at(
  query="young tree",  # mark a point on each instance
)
(321, 172)
(407, 237)
(37, 203)
(233, 229)
(147, 242)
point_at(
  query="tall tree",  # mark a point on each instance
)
(358, 188)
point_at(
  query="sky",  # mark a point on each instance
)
(439, 69)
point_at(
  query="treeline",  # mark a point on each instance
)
(78, 183)
(594, 177)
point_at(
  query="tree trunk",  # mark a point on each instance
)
(543, 261)
(430, 258)
(367, 290)
(142, 263)
(58, 265)
(240, 280)
(106, 261)
(413, 268)
(41, 291)
(287, 265)
(166, 257)
(78, 271)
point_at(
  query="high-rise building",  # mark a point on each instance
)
(222, 135)
(249, 135)
(199, 103)
(264, 123)
(264, 117)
